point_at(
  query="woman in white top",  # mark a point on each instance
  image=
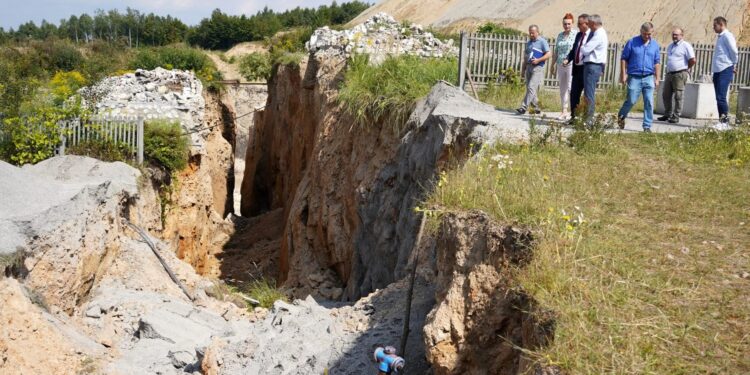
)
(563, 44)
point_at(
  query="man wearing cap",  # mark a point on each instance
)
(680, 61)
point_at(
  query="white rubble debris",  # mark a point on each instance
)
(379, 37)
(152, 94)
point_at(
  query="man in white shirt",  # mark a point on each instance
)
(680, 61)
(723, 66)
(594, 53)
(576, 58)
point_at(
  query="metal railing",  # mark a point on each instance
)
(124, 131)
(484, 57)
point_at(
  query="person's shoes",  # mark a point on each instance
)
(647, 130)
(721, 126)
(521, 110)
(572, 121)
(673, 120)
(663, 118)
(621, 122)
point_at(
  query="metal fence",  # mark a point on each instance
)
(485, 57)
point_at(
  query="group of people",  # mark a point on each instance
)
(581, 57)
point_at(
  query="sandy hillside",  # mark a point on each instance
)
(621, 18)
(231, 71)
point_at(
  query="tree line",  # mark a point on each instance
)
(219, 31)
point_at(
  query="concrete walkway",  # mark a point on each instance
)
(633, 123)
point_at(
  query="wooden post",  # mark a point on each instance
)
(471, 82)
(462, 57)
(139, 136)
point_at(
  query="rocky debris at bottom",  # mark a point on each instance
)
(95, 298)
(305, 337)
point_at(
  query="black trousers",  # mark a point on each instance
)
(576, 89)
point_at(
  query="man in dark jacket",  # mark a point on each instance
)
(576, 59)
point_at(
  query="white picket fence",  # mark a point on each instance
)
(126, 131)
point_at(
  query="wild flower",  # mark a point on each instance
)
(503, 161)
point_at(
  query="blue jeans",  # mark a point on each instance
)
(638, 85)
(722, 80)
(591, 75)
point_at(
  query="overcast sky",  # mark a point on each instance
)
(16, 12)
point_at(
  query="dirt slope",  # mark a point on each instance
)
(621, 18)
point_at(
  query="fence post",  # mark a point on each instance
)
(63, 126)
(462, 59)
(618, 67)
(139, 136)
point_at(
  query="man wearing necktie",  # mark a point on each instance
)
(594, 52)
(577, 59)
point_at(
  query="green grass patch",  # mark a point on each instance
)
(642, 249)
(263, 290)
(388, 92)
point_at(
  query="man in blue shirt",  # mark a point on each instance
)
(641, 67)
(537, 52)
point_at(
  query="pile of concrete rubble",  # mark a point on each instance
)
(380, 36)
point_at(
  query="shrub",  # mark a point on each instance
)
(290, 41)
(255, 66)
(33, 138)
(65, 84)
(58, 55)
(178, 57)
(165, 145)
(493, 28)
(289, 58)
(183, 58)
(388, 92)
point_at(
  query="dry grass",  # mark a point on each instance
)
(642, 247)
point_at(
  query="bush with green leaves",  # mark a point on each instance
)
(256, 66)
(178, 57)
(165, 144)
(172, 57)
(33, 138)
(494, 28)
(387, 93)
